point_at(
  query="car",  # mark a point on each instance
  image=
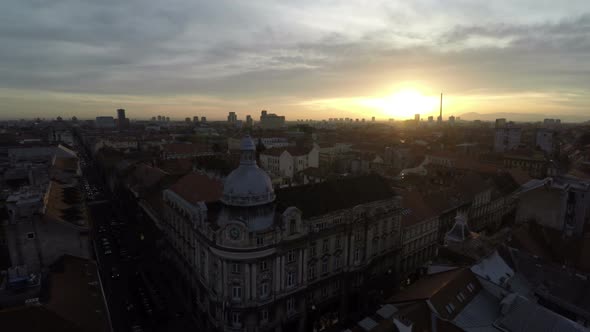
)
(136, 328)
(115, 273)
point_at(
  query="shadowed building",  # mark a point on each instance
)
(251, 258)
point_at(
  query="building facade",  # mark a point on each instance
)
(506, 138)
(251, 259)
(289, 161)
(271, 120)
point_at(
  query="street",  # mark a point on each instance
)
(135, 286)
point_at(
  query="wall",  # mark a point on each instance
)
(545, 206)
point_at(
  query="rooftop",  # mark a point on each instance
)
(198, 187)
(321, 198)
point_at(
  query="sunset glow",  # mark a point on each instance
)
(401, 104)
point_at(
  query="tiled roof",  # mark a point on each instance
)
(426, 287)
(441, 290)
(416, 209)
(184, 148)
(197, 187)
(179, 166)
(146, 176)
(293, 151)
(35, 319)
(73, 296)
(318, 199)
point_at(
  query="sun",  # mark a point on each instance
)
(407, 102)
(403, 104)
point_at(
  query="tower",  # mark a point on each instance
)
(440, 118)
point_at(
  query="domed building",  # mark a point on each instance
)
(252, 258)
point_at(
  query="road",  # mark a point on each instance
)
(136, 289)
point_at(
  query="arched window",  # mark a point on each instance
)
(292, 226)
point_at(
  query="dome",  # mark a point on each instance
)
(247, 185)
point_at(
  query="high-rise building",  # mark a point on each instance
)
(249, 121)
(507, 138)
(431, 120)
(122, 121)
(452, 120)
(120, 114)
(417, 118)
(500, 123)
(167, 119)
(105, 122)
(159, 118)
(153, 118)
(373, 119)
(195, 119)
(203, 119)
(544, 140)
(271, 120)
(232, 117)
(187, 119)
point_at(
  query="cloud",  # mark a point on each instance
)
(283, 53)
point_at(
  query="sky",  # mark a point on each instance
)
(303, 59)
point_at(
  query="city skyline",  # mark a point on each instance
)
(313, 60)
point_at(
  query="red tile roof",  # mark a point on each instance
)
(184, 148)
(198, 187)
(416, 208)
(179, 166)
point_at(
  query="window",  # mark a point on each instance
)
(326, 245)
(291, 304)
(236, 292)
(264, 315)
(30, 235)
(260, 241)
(470, 287)
(337, 262)
(290, 279)
(460, 298)
(336, 286)
(263, 266)
(449, 308)
(291, 256)
(235, 268)
(325, 291)
(375, 246)
(311, 273)
(292, 227)
(338, 242)
(264, 289)
(312, 250)
(325, 266)
(357, 254)
(236, 319)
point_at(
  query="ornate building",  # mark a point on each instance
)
(252, 259)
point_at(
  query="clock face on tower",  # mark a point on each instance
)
(234, 233)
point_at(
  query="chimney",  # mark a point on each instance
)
(441, 118)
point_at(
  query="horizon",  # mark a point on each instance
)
(311, 60)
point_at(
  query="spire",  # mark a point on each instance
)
(460, 231)
(248, 149)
